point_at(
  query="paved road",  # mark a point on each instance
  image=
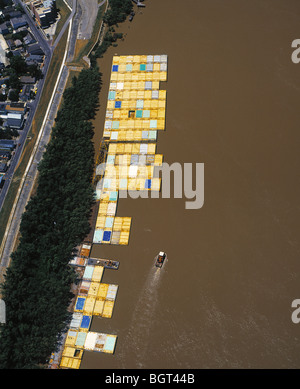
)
(32, 171)
(75, 26)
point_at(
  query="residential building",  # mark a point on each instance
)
(4, 29)
(11, 44)
(29, 39)
(34, 58)
(5, 154)
(7, 10)
(14, 120)
(16, 108)
(18, 22)
(45, 12)
(15, 14)
(25, 92)
(27, 80)
(34, 49)
(7, 144)
(3, 168)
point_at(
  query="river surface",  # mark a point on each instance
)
(223, 300)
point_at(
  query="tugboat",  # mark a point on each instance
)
(160, 259)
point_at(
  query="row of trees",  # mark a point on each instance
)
(109, 39)
(37, 284)
(117, 12)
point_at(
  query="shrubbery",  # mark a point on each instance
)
(118, 11)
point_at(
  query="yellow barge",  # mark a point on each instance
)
(135, 112)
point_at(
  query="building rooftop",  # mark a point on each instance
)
(34, 49)
(27, 80)
(3, 167)
(18, 22)
(16, 105)
(14, 123)
(7, 143)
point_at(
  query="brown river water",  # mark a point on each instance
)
(223, 300)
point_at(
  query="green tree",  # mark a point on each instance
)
(13, 95)
(18, 64)
(14, 81)
(118, 11)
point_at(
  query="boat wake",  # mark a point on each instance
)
(139, 330)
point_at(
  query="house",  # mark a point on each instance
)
(14, 120)
(4, 29)
(29, 39)
(25, 93)
(18, 22)
(34, 59)
(11, 44)
(3, 168)
(15, 14)
(14, 123)
(7, 10)
(16, 108)
(34, 49)
(27, 80)
(7, 144)
(5, 154)
(20, 29)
